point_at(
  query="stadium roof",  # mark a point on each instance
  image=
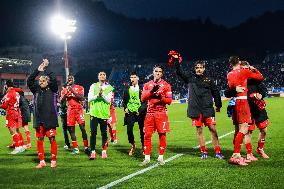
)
(8, 65)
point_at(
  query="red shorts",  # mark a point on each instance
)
(75, 115)
(112, 120)
(263, 124)
(199, 121)
(251, 127)
(156, 121)
(41, 132)
(14, 120)
(242, 109)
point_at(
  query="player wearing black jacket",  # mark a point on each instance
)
(201, 92)
(45, 110)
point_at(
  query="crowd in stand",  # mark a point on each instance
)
(271, 68)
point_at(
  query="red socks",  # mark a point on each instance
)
(114, 134)
(249, 148)
(110, 132)
(16, 139)
(217, 149)
(260, 145)
(86, 144)
(106, 145)
(40, 149)
(162, 143)
(147, 143)
(21, 139)
(28, 136)
(238, 142)
(75, 144)
(53, 150)
(203, 149)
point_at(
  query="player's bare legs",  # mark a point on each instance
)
(28, 136)
(71, 130)
(261, 141)
(200, 138)
(215, 141)
(85, 138)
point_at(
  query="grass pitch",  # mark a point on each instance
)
(187, 171)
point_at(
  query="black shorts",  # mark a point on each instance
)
(257, 114)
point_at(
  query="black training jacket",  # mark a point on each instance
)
(45, 101)
(201, 93)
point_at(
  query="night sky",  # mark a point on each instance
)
(226, 12)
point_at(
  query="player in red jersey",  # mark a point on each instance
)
(26, 116)
(158, 94)
(111, 122)
(10, 102)
(256, 92)
(239, 77)
(74, 94)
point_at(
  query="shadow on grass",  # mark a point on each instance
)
(196, 152)
(124, 150)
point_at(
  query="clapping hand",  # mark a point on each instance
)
(155, 88)
(43, 65)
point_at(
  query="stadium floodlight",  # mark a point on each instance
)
(63, 28)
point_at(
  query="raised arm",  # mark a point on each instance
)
(255, 74)
(180, 72)
(32, 83)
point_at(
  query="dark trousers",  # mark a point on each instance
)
(94, 122)
(131, 118)
(65, 130)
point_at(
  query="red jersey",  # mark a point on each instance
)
(240, 77)
(157, 101)
(10, 102)
(73, 102)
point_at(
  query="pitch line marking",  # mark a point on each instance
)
(153, 166)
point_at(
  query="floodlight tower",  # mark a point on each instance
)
(63, 28)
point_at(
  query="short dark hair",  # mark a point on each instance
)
(244, 63)
(234, 60)
(202, 62)
(134, 73)
(159, 66)
(9, 83)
